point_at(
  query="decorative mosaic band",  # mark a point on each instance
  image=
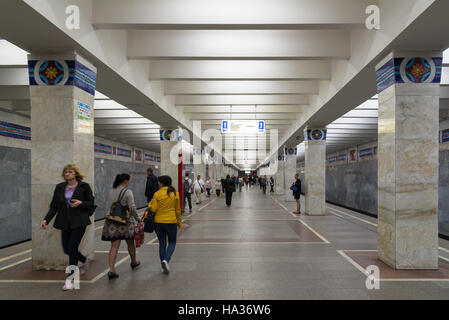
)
(290, 151)
(62, 73)
(102, 148)
(15, 131)
(124, 152)
(332, 159)
(149, 157)
(367, 152)
(409, 70)
(445, 135)
(315, 134)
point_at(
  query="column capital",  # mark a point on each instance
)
(69, 69)
(315, 134)
(409, 67)
(170, 134)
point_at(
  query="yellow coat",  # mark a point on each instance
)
(167, 208)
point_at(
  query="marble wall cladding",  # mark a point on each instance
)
(279, 178)
(15, 195)
(408, 176)
(169, 167)
(443, 194)
(315, 177)
(104, 178)
(353, 185)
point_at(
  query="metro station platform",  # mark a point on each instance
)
(256, 249)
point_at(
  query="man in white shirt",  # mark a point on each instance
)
(198, 188)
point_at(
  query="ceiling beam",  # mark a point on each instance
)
(231, 14)
(241, 99)
(221, 87)
(238, 44)
(240, 70)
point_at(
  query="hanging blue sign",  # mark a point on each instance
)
(224, 126)
(262, 126)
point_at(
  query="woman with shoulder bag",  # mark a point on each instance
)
(116, 232)
(73, 204)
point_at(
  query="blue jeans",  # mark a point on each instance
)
(164, 231)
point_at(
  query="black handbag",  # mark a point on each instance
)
(119, 213)
(148, 218)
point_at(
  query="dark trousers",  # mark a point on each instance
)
(164, 231)
(71, 240)
(272, 190)
(189, 199)
(264, 189)
(218, 192)
(208, 192)
(228, 198)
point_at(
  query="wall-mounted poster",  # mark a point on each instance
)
(352, 155)
(83, 120)
(138, 155)
(445, 135)
(149, 157)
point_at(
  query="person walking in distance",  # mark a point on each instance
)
(115, 232)
(263, 183)
(187, 186)
(229, 189)
(198, 188)
(73, 204)
(167, 208)
(271, 185)
(218, 187)
(208, 186)
(152, 185)
(223, 184)
(296, 187)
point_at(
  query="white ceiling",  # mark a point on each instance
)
(292, 63)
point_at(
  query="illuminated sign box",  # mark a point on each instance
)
(242, 126)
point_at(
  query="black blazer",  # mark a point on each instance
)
(68, 217)
(152, 186)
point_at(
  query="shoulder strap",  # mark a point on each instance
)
(122, 194)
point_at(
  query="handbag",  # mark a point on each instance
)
(119, 213)
(139, 234)
(148, 219)
(293, 188)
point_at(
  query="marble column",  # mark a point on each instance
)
(315, 171)
(62, 90)
(279, 184)
(171, 146)
(408, 85)
(289, 172)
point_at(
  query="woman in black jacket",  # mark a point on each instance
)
(73, 204)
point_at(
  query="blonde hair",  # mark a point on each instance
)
(73, 167)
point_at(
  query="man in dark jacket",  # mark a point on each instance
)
(297, 193)
(152, 185)
(229, 186)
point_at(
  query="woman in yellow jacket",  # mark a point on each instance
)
(167, 208)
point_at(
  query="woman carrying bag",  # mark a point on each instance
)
(117, 228)
(167, 208)
(73, 204)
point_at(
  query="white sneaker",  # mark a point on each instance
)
(165, 267)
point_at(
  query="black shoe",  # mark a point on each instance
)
(112, 275)
(133, 266)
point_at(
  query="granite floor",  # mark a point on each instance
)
(256, 249)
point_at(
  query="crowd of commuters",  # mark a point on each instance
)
(73, 205)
